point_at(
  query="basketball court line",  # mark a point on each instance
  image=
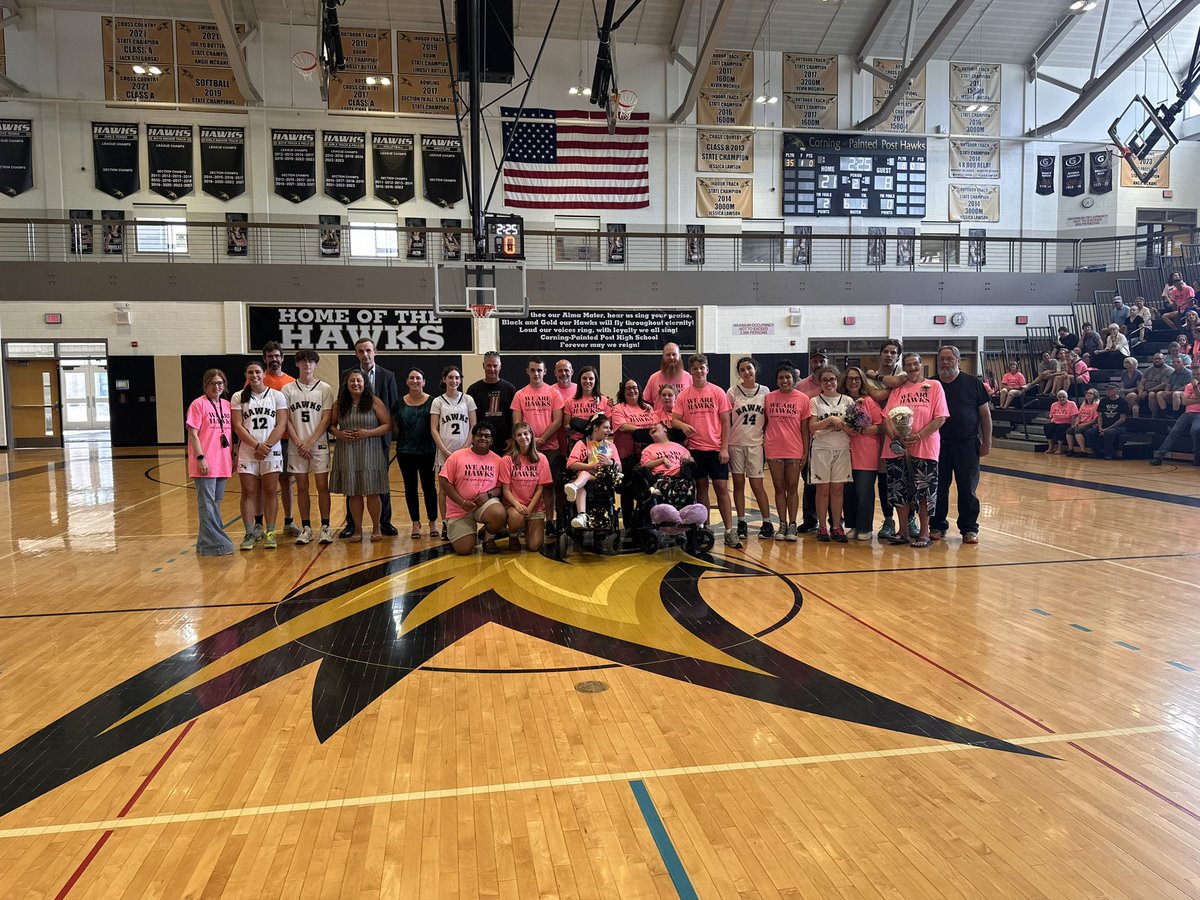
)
(544, 783)
(1122, 490)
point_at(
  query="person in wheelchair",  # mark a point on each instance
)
(668, 481)
(594, 461)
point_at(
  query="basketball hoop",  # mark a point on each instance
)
(305, 62)
(625, 100)
(481, 310)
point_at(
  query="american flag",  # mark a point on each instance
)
(577, 165)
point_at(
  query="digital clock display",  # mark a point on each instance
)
(854, 175)
(505, 236)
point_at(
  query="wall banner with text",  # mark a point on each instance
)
(908, 116)
(81, 234)
(725, 198)
(803, 74)
(115, 147)
(169, 150)
(1045, 175)
(294, 157)
(810, 112)
(976, 123)
(974, 203)
(598, 331)
(392, 160)
(715, 107)
(1072, 167)
(222, 161)
(16, 156)
(975, 82)
(724, 151)
(974, 159)
(730, 70)
(1160, 179)
(336, 328)
(345, 159)
(442, 168)
(694, 254)
(1099, 172)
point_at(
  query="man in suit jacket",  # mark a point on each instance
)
(383, 383)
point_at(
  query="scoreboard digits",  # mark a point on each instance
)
(853, 175)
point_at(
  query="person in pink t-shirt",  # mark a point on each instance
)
(587, 458)
(1084, 421)
(672, 372)
(541, 405)
(585, 401)
(1062, 414)
(1012, 385)
(470, 479)
(703, 413)
(912, 456)
(809, 386)
(664, 456)
(785, 444)
(524, 476)
(563, 372)
(210, 463)
(628, 415)
(864, 457)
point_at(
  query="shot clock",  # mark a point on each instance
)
(853, 175)
(505, 236)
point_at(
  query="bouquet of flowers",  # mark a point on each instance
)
(902, 418)
(857, 417)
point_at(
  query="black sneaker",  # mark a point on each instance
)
(1157, 461)
(767, 531)
(807, 527)
(743, 529)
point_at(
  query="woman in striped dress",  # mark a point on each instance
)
(360, 459)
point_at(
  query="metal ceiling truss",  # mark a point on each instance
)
(1056, 36)
(223, 16)
(1097, 85)
(708, 45)
(882, 21)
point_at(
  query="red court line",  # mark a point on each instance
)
(95, 851)
(1132, 779)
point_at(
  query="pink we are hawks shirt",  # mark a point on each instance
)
(658, 381)
(523, 478)
(927, 401)
(705, 409)
(210, 421)
(471, 475)
(786, 414)
(537, 406)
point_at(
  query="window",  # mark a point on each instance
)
(577, 247)
(161, 234)
(374, 236)
(761, 243)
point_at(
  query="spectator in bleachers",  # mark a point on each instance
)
(1155, 380)
(1181, 377)
(1179, 297)
(1066, 338)
(1120, 313)
(1090, 343)
(1084, 422)
(1062, 375)
(1178, 350)
(1116, 348)
(1047, 370)
(1109, 435)
(1062, 416)
(1131, 386)
(1191, 329)
(1141, 317)
(1188, 423)
(1081, 373)
(1012, 385)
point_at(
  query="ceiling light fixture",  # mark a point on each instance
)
(155, 70)
(139, 70)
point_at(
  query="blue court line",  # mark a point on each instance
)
(1041, 612)
(683, 886)
(1081, 627)
(1180, 665)
(1157, 496)
(1125, 645)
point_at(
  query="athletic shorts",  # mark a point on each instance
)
(746, 461)
(905, 489)
(260, 467)
(318, 465)
(829, 466)
(465, 525)
(709, 465)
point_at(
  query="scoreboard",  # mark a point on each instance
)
(853, 175)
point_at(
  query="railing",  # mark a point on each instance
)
(364, 244)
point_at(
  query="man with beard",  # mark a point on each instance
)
(966, 438)
(493, 398)
(671, 372)
(274, 377)
(1155, 379)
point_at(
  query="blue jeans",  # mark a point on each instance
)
(1108, 443)
(1188, 422)
(859, 508)
(212, 539)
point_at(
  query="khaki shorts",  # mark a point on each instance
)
(465, 525)
(746, 461)
(318, 465)
(826, 466)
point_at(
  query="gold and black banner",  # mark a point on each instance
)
(294, 161)
(442, 168)
(129, 40)
(16, 156)
(392, 160)
(200, 44)
(210, 86)
(345, 158)
(810, 112)
(1160, 179)
(222, 161)
(974, 159)
(974, 203)
(725, 198)
(724, 151)
(909, 114)
(718, 107)
(804, 74)
(351, 92)
(730, 70)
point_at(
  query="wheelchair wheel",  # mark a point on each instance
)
(612, 543)
(563, 544)
(702, 540)
(648, 540)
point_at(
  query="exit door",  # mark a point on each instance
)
(84, 395)
(34, 398)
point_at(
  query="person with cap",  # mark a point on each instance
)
(1106, 440)
(1120, 314)
(1187, 423)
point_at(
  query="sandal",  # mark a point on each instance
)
(897, 539)
(416, 532)
(920, 542)
(376, 536)
(355, 538)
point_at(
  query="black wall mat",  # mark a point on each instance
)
(133, 411)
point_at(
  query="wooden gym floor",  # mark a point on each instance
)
(1015, 719)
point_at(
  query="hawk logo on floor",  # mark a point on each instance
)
(369, 627)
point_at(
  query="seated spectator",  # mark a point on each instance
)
(1066, 338)
(1109, 435)
(1088, 344)
(1084, 422)
(1131, 385)
(1116, 348)
(1062, 415)
(1188, 423)
(1120, 313)
(1181, 377)
(1047, 369)
(1178, 297)
(1141, 317)
(1012, 385)
(1155, 380)
(1081, 373)
(1177, 349)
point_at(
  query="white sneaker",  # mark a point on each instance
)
(326, 535)
(864, 536)
(732, 539)
(580, 521)
(305, 536)
(571, 491)
(852, 534)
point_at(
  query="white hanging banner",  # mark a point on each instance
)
(975, 82)
(974, 203)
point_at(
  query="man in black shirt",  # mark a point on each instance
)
(493, 398)
(1110, 430)
(1066, 339)
(966, 437)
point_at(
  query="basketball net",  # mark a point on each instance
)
(305, 62)
(625, 101)
(481, 310)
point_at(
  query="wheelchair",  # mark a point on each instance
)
(603, 533)
(679, 491)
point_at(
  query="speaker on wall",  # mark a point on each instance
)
(497, 32)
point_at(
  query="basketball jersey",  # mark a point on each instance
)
(306, 405)
(749, 422)
(454, 420)
(259, 412)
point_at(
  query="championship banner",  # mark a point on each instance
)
(336, 328)
(695, 245)
(112, 235)
(1160, 179)
(802, 245)
(1099, 172)
(121, 82)
(418, 238)
(345, 157)
(915, 89)
(16, 156)
(425, 53)
(974, 203)
(367, 50)
(424, 95)
(392, 162)
(803, 74)
(210, 86)
(974, 159)
(975, 82)
(442, 168)
(724, 151)
(810, 112)
(237, 238)
(146, 42)
(1072, 166)
(350, 92)
(451, 243)
(876, 246)
(81, 234)
(975, 123)
(1045, 175)
(730, 70)
(222, 161)
(724, 107)
(977, 247)
(908, 117)
(115, 151)
(906, 247)
(201, 44)
(598, 330)
(331, 236)
(725, 198)
(169, 150)
(294, 161)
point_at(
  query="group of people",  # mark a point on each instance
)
(494, 458)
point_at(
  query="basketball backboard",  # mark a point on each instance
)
(459, 288)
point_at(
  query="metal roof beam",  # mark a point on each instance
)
(1046, 47)
(935, 40)
(724, 9)
(685, 13)
(1096, 86)
(237, 59)
(891, 7)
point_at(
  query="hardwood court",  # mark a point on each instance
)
(1016, 719)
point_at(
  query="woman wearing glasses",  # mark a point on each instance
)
(210, 462)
